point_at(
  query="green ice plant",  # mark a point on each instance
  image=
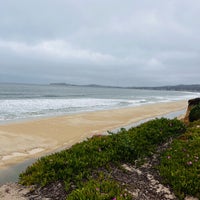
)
(180, 164)
(75, 165)
(100, 190)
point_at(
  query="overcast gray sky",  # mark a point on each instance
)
(109, 42)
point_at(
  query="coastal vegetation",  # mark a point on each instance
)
(180, 164)
(82, 167)
(100, 190)
(194, 113)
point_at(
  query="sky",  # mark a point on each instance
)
(107, 42)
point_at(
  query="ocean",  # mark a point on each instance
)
(25, 101)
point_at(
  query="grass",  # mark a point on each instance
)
(180, 164)
(74, 166)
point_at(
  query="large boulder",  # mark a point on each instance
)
(191, 104)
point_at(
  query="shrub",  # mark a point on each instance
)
(194, 113)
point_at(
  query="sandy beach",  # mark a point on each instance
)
(30, 139)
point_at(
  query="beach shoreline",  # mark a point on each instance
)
(20, 141)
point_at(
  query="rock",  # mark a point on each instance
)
(191, 104)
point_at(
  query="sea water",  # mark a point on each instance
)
(23, 101)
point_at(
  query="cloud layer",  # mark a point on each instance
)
(131, 43)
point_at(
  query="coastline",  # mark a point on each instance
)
(31, 139)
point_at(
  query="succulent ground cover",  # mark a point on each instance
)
(100, 189)
(180, 164)
(75, 167)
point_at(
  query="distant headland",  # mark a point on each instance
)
(181, 87)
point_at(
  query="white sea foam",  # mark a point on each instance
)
(20, 107)
(23, 108)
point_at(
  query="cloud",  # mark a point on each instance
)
(123, 43)
(56, 49)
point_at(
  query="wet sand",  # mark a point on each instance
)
(29, 139)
